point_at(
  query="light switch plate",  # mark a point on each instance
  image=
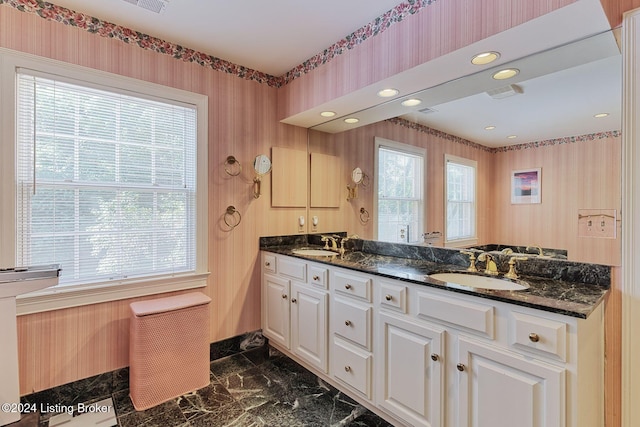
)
(598, 223)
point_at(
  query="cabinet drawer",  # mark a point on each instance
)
(478, 318)
(393, 297)
(352, 285)
(269, 263)
(292, 268)
(318, 276)
(353, 367)
(537, 334)
(352, 321)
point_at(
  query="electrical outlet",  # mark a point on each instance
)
(403, 233)
(597, 223)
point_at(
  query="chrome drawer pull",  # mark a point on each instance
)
(533, 337)
(388, 297)
(347, 286)
(347, 368)
(347, 322)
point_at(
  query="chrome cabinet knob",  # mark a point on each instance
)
(347, 322)
(293, 300)
(533, 337)
(347, 286)
(284, 296)
(435, 357)
(267, 263)
(347, 368)
(388, 297)
(316, 278)
(460, 367)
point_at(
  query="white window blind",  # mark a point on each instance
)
(400, 195)
(106, 181)
(461, 189)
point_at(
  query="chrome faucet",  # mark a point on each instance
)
(490, 266)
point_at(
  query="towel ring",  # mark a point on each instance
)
(364, 216)
(232, 166)
(232, 217)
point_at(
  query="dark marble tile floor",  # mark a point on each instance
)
(256, 387)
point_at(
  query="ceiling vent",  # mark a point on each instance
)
(504, 92)
(156, 6)
(428, 110)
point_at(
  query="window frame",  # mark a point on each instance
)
(467, 240)
(57, 298)
(409, 149)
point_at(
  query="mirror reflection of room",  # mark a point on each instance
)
(544, 120)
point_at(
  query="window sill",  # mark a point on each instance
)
(60, 297)
(463, 243)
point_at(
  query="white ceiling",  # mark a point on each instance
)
(277, 35)
(272, 36)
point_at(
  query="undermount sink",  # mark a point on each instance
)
(479, 282)
(314, 252)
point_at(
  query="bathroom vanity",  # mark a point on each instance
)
(422, 353)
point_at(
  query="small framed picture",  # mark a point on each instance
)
(526, 186)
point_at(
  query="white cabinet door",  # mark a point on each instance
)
(410, 374)
(309, 334)
(500, 389)
(275, 309)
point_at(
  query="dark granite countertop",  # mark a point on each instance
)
(554, 294)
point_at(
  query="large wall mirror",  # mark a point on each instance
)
(548, 111)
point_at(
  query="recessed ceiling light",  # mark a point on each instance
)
(328, 113)
(386, 93)
(507, 73)
(601, 115)
(489, 127)
(411, 102)
(512, 136)
(485, 58)
(351, 120)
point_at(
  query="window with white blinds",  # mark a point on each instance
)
(399, 191)
(106, 181)
(460, 177)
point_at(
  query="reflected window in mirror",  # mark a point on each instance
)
(399, 201)
(460, 206)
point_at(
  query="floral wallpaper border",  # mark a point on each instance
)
(52, 12)
(517, 147)
(377, 26)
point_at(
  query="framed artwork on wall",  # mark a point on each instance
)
(526, 186)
